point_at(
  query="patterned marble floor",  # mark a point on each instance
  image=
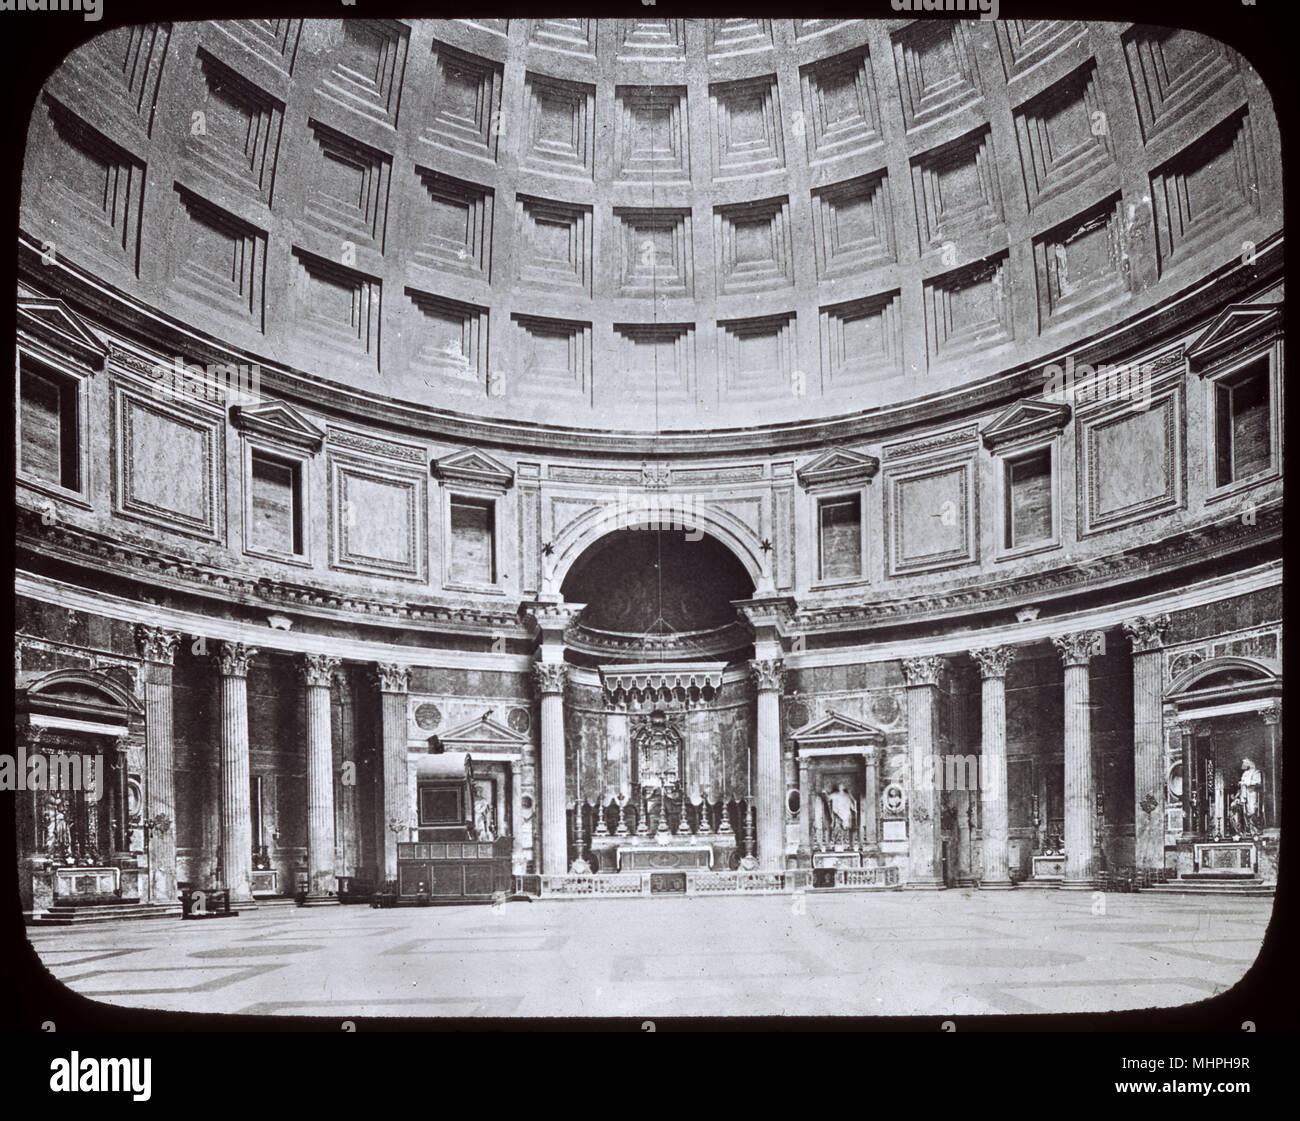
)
(901, 953)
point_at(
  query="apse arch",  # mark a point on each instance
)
(586, 530)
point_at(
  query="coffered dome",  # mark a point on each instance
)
(650, 223)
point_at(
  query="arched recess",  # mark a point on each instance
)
(1230, 677)
(585, 530)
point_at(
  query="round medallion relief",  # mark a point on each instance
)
(884, 707)
(428, 716)
(519, 720)
(797, 714)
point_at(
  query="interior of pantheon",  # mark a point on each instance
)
(459, 459)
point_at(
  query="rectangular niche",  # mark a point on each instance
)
(555, 353)
(1079, 263)
(650, 134)
(956, 189)
(239, 140)
(1062, 136)
(752, 246)
(746, 127)
(572, 36)
(659, 359)
(853, 227)
(935, 64)
(219, 258)
(464, 107)
(452, 337)
(655, 252)
(95, 189)
(738, 36)
(338, 306)
(378, 519)
(651, 40)
(1173, 71)
(841, 116)
(861, 339)
(1205, 190)
(757, 355)
(554, 249)
(454, 220)
(367, 67)
(348, 194)
(968, 308)
(930, 517)
(1025, 43)
(559, 127)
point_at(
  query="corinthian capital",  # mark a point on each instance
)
(156, 644)
(993, 661)
(317, 670)
(392, 678)
(927, 670)
(1146, 633)
(549, 677)
(768, 674)
(1077, 649)
(232, 658)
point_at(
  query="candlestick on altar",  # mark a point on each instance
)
(704, 814)
(602, 830)
(750, 844)
(725, 826)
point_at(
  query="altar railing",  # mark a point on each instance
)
(703, 882)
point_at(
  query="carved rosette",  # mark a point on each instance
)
(156, 644)
(392, 678)
(549, 677)
(1146, 633)
(928, 670)
(317, 670)
(233, 658)
(1077, 649)
(994, 661)
(768, 674)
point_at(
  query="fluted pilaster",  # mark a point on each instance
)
(157, 650)
(549, 678)
(232, 659)
(993, 663)
(1076, 652)
(924, 837)
(1147, 636)
(393, 681)
(317, 672)
(768, 674)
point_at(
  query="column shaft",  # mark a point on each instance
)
(994, 663)
(870, 800)
(236, 820)
(767, 764)
(1076, 652)
(550, 678)
(393, 682)
(924, 837)
(317, 670)
(1146, 635)
(158, 648)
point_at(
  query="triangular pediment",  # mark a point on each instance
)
(278, 422)
(1026, 418)
(835, 728)
(1235, 325)
(55, 324)
(484, 734)
(837, 467)
(473, 467)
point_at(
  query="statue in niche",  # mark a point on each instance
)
(1247, 800)
(841, 813)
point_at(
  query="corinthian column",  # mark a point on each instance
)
(236, 823)
(993, 663)
(767, 673)
(1147, 637)
(396, 819)
(924, 838)
(157, 649)
(549, 678)
(317, 671)
(1076, 652)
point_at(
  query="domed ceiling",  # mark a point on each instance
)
(646, 223)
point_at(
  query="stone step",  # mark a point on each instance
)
(66, 915)
(1251, 890)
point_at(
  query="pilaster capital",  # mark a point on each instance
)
(317, 670)
(1146, 632)
(233, 658)
(768, 674)
(926, 670)
(549, 677)
(1271, 713)
(994, 661)
(392, 678)
(1078, 648)
(156, 644)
